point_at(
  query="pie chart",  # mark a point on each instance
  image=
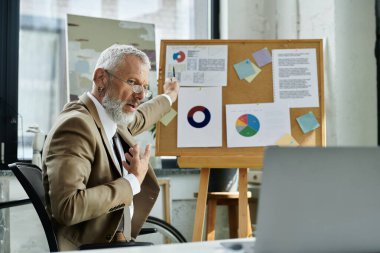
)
(247, 125)
(179, 56)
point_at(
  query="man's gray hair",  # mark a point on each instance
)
(113, 56)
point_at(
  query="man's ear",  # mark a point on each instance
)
(100, 77)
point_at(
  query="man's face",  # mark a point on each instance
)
(120, 101)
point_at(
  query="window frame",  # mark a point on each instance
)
(9, 46)
(9, 71)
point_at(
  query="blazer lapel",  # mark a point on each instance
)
(94, 113)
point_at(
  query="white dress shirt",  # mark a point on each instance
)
(110, 128)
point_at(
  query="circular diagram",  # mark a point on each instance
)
(179, 56)
(247, 125)
(204, 122)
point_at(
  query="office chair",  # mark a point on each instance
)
(30, 178)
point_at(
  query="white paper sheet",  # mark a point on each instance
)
(199, 117)
(295, 78)
(255, 125)
(197, 65)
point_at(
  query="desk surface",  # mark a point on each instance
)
(191, 247)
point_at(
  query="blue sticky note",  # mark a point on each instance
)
(262, 57)
(307, 122)
(244, 69)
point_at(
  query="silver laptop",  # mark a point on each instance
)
(319, 200)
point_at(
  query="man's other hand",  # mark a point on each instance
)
(138, 164)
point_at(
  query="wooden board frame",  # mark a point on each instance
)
(241, 92)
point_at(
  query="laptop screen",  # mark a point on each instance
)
(319, 200)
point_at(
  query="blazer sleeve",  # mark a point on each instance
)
(148, 114)
(81, 185)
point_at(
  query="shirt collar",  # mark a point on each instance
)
(109, 125)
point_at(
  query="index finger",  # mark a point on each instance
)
(134, 150)
(147, 151)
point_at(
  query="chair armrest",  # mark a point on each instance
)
(145, 231)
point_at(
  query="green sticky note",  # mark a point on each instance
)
(168, 117)
(308, 122)
(244, 69)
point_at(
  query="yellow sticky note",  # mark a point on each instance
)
(168, 117)
(287, 140)
(251, 77)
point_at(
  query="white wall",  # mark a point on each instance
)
(348, 30)
(355, 72)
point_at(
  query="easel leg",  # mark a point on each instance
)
(243, 203)
(201, 205)
(211, 219)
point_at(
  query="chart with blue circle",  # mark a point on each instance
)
(247, 125)
(202, 123)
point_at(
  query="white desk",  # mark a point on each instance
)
(191, 247)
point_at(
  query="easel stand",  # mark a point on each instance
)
(202, 199)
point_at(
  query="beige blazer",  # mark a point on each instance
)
(85, 193)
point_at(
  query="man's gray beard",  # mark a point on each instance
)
(114, 109)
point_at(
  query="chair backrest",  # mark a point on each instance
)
(30, 177)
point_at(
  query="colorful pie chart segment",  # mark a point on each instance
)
(247, 125)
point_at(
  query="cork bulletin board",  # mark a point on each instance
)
(239, 92)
